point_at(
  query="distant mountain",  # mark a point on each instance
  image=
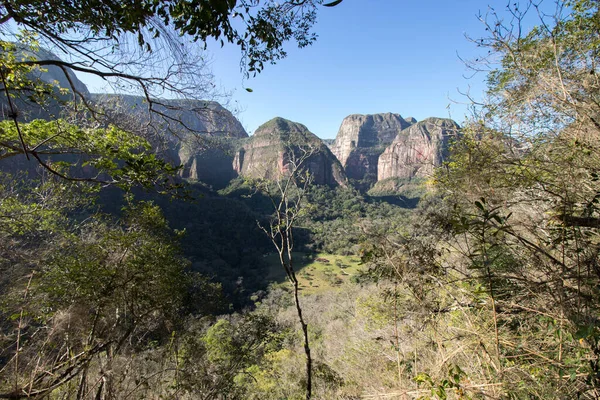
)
(51, 75)
(180, 116)
(417, 150)
(267, 154)
(360, 141)
(212, 146)
(191, 133)
(200, 117)
(199, 134)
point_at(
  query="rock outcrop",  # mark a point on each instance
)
(196, 134)
(417, 150)
(362, 138)
(190, 133)
(180, 117)
(270, 152)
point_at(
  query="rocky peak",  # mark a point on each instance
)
(417, 150)
(280, 126)
(359, 130)
(360, 141)
(267, 154)
(179, 117)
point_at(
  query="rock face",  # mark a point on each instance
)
(269, 153)
(209, 161)
(55, 75)
(198, 133)
(181, 117)
(362, 138)
(190, 133)
(417, 150)
(51, 75)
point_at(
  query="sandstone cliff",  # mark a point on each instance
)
(417, 150)
(191, 133)
(195, 133)
(269, 153)
(360, 141)
(179, 117)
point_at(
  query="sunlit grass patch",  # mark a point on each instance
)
(316, 272)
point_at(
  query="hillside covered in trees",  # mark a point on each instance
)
(150, 249)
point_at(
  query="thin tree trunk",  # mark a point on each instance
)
(306, 343)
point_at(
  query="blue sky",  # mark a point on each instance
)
(371, 56)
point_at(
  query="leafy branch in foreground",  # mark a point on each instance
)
(98, 155)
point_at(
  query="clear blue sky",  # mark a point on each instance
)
(371, 56)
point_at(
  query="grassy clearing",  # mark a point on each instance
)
(316, 273)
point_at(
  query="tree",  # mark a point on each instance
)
(102, 291)
(287, 197)
(523, 187)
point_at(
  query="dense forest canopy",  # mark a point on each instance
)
(479, 281)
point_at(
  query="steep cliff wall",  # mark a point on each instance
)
(366, 131)
(179, 117)
(191, 133)
(417, 150)
(269, 152)
(362, 138)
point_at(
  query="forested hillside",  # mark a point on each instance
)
(149, 250)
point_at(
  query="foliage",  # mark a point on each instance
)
(95, 291)
(217, 361)
(487, 289)
(317, 273)
(105, 156)
(259, 28)
(522, 190)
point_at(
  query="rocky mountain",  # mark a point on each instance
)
(417, 150)
(191, 133)
(362, 138)
(54, 75)
(212, 146)
(50, 75)
(178, 116)
(196, 134)
(269, 152)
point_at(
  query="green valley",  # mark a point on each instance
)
(152, 246)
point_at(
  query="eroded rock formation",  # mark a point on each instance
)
(362, 138)
(271, 151)
(417, 150)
